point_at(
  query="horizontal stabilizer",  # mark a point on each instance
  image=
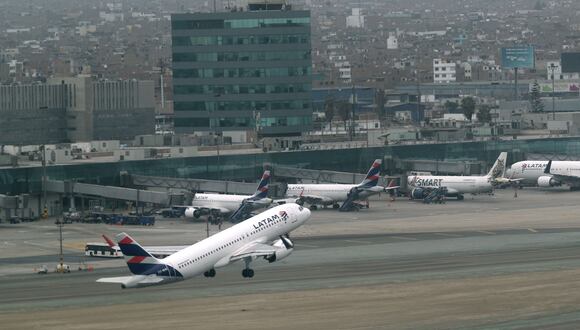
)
(133, 281)
(121, 279)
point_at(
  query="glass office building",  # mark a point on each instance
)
(242, 71)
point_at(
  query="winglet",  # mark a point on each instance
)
(548, 167)
(391, 185)
(372, 178)
(109, 241)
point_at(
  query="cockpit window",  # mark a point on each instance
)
(300, 208)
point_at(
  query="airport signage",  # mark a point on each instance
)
(518, 57)
(559, 87)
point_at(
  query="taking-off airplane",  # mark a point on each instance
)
(262, 236)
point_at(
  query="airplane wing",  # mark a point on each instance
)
(452, 191)
(253, 250)
(314, 199)
(206, 209)
(567, 179)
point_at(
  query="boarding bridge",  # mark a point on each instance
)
(437, 167)
(227, 187)
(128, 194)
(320, 176)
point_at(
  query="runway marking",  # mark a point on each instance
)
(357, 242)
(448, 235)
(532, 230)
(308, 245)
(405, 238)
(485, 232)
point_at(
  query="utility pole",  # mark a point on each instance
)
(418, 82)
(162, 83)
(553, 69)
(45, 202)
(60, 224)
(351, 130)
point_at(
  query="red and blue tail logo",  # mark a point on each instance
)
(372, 178)
(141, 262)
(263, 186)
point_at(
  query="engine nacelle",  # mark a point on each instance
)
(284, 248)
(279, 255)
(192, 212)
(547, 181)
(418, 193)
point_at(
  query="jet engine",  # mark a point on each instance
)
(419, 193)
(192, 212)
(548, 181)
(284, 248)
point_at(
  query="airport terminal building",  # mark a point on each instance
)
(76, 109)
(242, 72)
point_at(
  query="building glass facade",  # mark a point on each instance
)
(242, 71)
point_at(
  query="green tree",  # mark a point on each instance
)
(329, 108)
(483, 114)
(535, 98)
(451, 107)
(344, 110)
(468, 107)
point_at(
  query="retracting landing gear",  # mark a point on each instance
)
(209, 273)
(248, 272)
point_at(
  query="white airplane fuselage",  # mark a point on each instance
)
(456, 185)
(214, 252)
(229, 202)
(224, 203)
(332, 192)
(531, 170)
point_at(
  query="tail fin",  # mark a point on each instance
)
(139, 261)
(109, 241)
(372, 178)
(498, 168)
(548, 168)
(263, 186)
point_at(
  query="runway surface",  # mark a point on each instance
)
(329, 263)
(488, 263)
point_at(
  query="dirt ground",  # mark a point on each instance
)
(434, 304)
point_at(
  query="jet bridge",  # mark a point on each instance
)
(228, 187)
(321, 176)
(138, 195)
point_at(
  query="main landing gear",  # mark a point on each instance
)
(248, 272)
(209, 273)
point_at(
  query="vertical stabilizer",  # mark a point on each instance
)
(498, 168)
(263, 186)
(139, 261)
(372, 178)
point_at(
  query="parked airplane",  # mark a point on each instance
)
(333, 194)
(262, 236)
(539, 173)
(239, 206)
(421, 185)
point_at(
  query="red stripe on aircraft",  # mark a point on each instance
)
(126, 240)
(136, 260)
